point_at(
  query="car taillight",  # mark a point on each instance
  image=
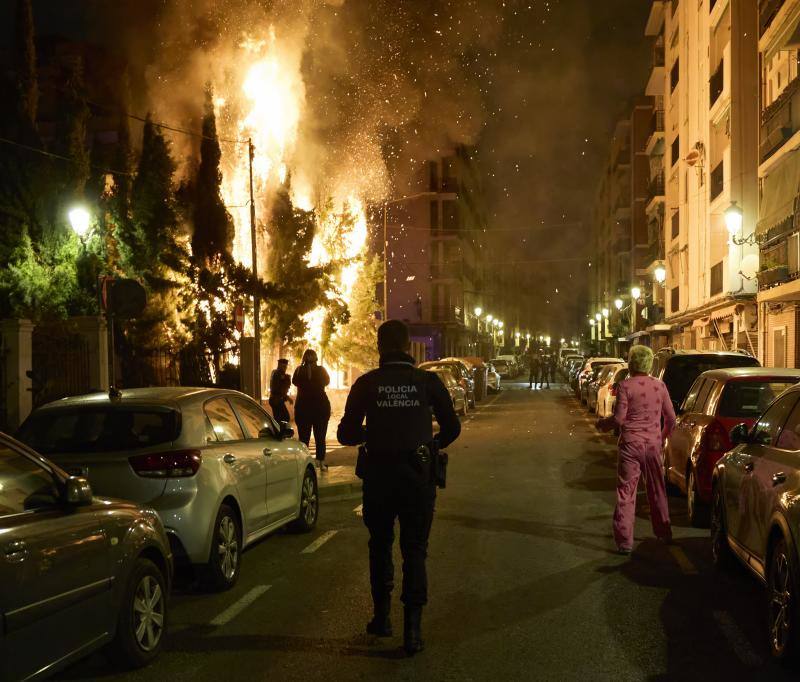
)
(717, 438)
(174, 464)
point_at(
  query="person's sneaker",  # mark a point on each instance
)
(624, 551)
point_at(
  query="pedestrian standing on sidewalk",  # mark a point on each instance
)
(645, 417)
(279, 384)
(533, 369)
(312, 410)
(396, 400)
(544, 371)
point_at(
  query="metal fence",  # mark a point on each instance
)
(60, 364)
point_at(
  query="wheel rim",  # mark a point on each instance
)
(148, 613)
(309, 501)
(780, 602)
(228, 547)
(690, 501)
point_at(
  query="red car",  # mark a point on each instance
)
(718, 400)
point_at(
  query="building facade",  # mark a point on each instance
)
(778, 227)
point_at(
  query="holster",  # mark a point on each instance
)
(437, 463)
(361, 462)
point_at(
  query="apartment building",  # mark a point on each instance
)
(435, 257)
(707, 155)
(778, 227)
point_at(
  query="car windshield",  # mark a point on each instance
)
(101, 428)
(682, 370)
(748, 399)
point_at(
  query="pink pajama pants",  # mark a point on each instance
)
(635, 459)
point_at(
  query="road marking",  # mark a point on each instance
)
(321, 540)
(237, 607)
(359, 510)
(737, 639)
(683, 561)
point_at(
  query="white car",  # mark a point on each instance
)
(587, 372)
(513, 363)
(607, 393)
(220, 472)
(564, 353)
(492, 379)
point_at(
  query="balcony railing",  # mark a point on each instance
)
(717, 183)
(767, 9)
(717, 82)
(655, 187)
(657, 121)
(444, 313)
(777, 120)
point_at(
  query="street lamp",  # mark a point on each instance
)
(618, 303)
(489, 319)
(636, 293)
(597, 316)
(660, 274)
(478, 311)
(733, 219)
(79, 220)
(563, 341)
(605, 313)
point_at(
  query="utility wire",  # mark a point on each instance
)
(52, 155)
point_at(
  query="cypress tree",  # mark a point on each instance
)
(24, 64)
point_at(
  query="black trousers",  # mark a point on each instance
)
(279, 410)
(319, 425)
(544, 377)
(398, 491)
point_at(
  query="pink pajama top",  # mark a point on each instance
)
(642, 403)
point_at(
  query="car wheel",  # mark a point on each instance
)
(696, 510)
(782, 603)
(224, 561)
(142, 615)
(309, 505)
(720, 549)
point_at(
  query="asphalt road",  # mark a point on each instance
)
(524, 581)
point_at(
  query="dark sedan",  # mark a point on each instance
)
(76, 572)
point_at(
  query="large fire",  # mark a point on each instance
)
(264, 102)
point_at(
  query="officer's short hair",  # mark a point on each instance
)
(393, 337)
(283, 361)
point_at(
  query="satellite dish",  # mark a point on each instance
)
(692, 157)
(749, 265)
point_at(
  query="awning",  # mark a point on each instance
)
(699, 322)
(778, 192)
(727, 311)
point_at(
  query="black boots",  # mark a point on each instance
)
(381, 624)
(412, 630)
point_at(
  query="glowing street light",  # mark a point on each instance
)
(597, 316)
(489, 318)
(563, 341)
(660, 274)
(528, 336)
(79, 220)
(478, 311)
(500, 324)
(605, 313)
(591, 322)
(636, 293)
(733, 219)
(618, 303)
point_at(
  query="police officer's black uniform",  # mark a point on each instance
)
(396, 399)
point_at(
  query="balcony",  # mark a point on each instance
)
(655, 188)
(767, 10)
(778, 121)
(622, 158)
(717, 83)
(717, 182)
(444, 313)
(656, 131)
(655, 84)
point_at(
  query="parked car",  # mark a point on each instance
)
(461, 372)
(603, 376)
(568, 362)
(564, 353)
(755, 516)
(513, 364)
(77, 572)
(607, 394)
(717, 401)
(587, 372)
(457, 394)
(220, 472)
(503, 368)
(492, 379)
(679, 368)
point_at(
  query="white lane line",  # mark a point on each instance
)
(737, 639)
(683, 561)
(321, 540)
(359, 510)
(238, 606)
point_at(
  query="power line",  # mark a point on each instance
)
(52, 155)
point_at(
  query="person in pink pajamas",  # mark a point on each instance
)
(645, 417)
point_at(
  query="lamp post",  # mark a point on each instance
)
(79, 219)
(591, 324)
(660, 274)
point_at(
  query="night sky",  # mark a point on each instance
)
(543, 84)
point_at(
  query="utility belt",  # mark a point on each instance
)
(427, 460)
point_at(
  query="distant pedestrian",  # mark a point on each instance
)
(643, 403)
(534, 369)
(312, 409)
(279, 384)
(544, 371)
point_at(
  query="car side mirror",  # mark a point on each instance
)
(740, 434)
(77, 491)
(286, 430)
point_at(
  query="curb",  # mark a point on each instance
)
(340, 491)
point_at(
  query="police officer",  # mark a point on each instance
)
(396, 400)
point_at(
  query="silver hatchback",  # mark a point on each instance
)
(218, 469)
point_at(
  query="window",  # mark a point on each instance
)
(749, 399)
(766, 430)
(24, 485)
(99, 429)
(433, 169)
(675, 151)
(691, 398)
(779, 347)
(716, 279)
(682, 370)
(450, 216)
(789, 438)
(434, 215)
(701, 406)
(254, 419)
(223, 420)
(674, 75)
(676, 224)
(675, 299)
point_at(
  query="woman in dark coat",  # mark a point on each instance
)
(312, 411)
